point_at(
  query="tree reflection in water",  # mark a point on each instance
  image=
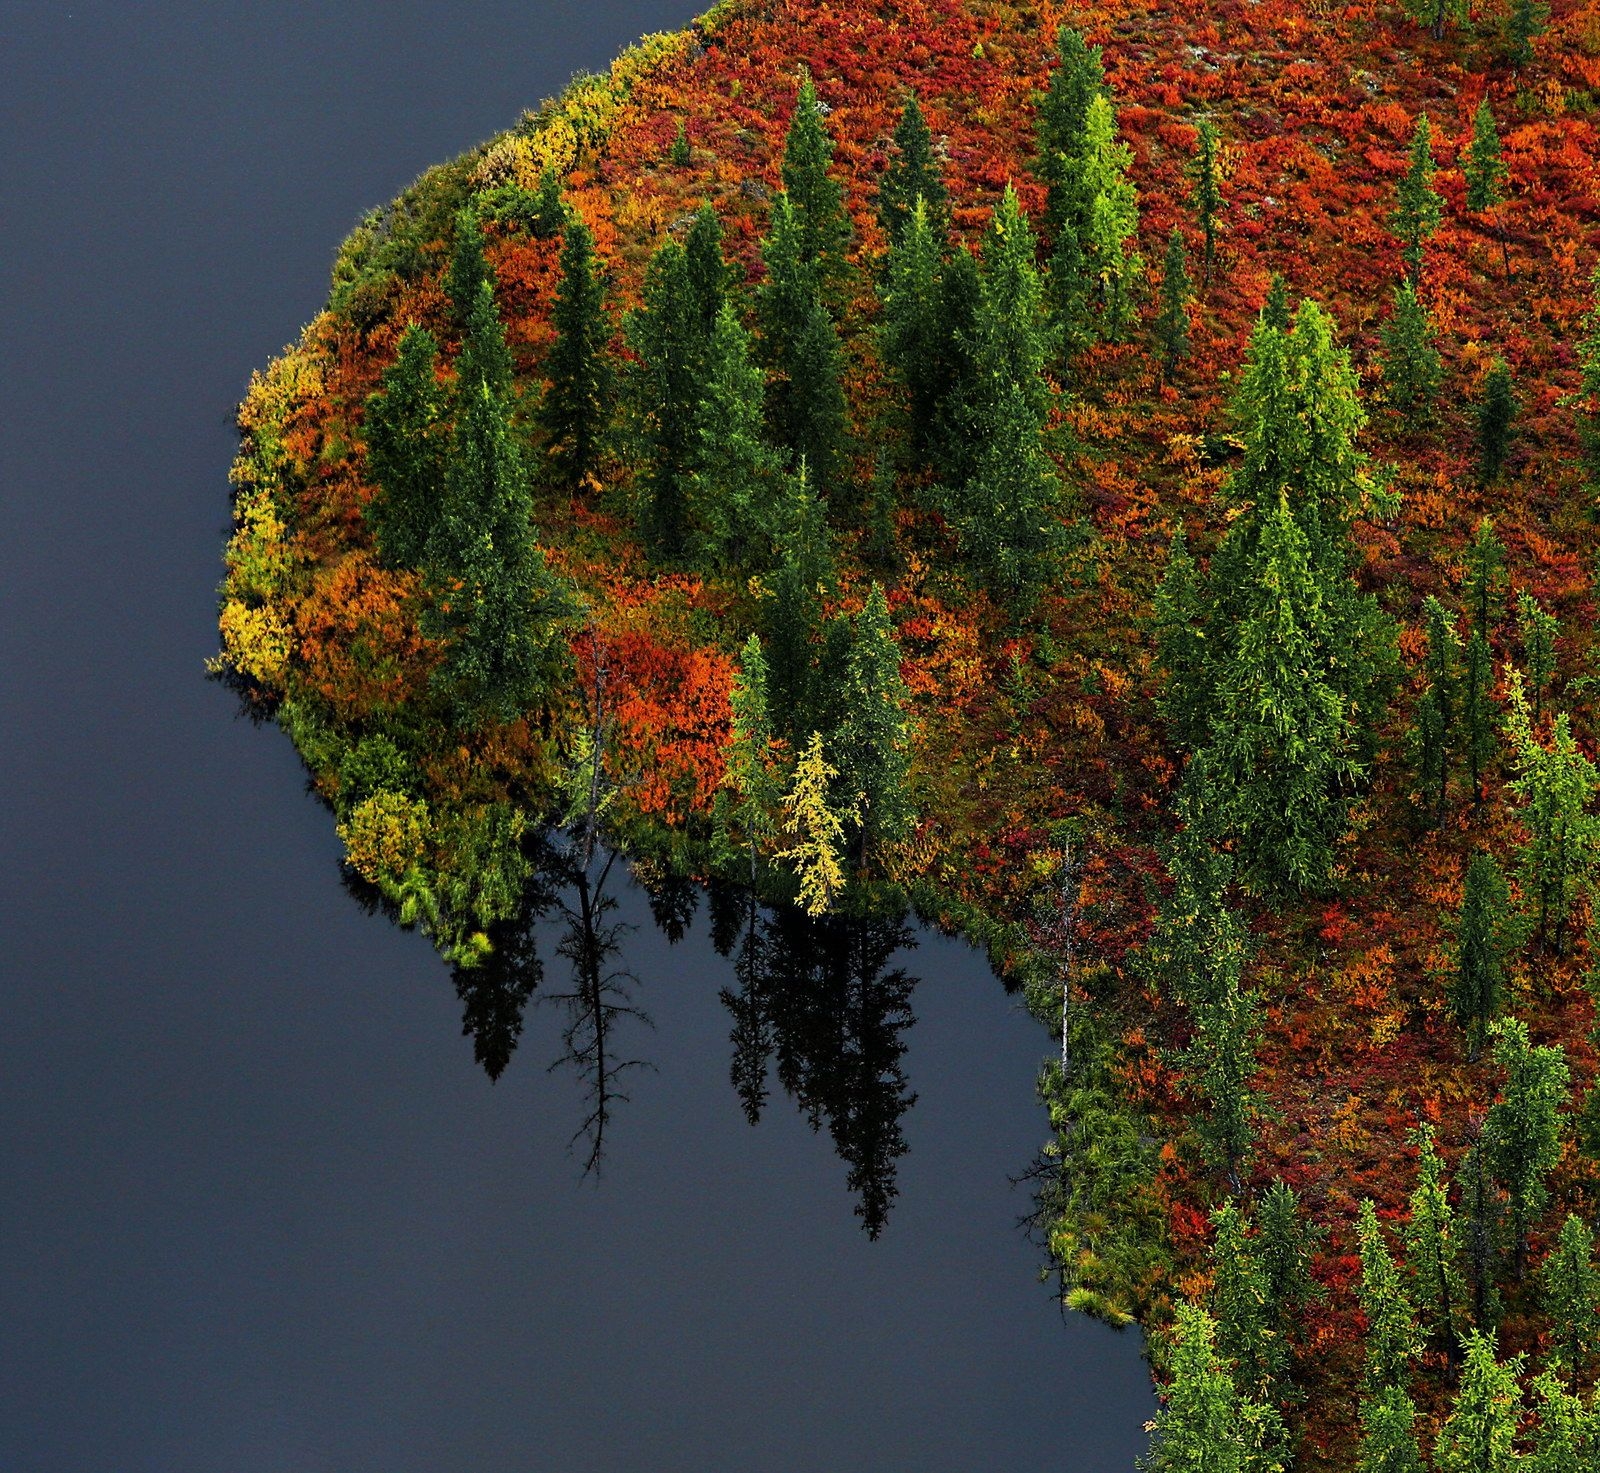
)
(815, 1005)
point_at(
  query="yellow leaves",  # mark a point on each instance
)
(818, 829)
(511, 159)
(1344, 1130)
(385, 836)
(255, 642)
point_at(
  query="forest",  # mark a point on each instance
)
(1117, 483)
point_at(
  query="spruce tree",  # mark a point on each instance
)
(499, 609)
(1279, 755)
(1438, 724)
(1389, 1433)
(913, 335)
(1569, 1293)
(805, 400)
(1284, 1249)
(873, 747)
(549, 208)
(1538, 630)
(1525, 22)
(1205, 189)
(1525, 1125)
(1481, 1212)
(1202, 1424)
(734, 488)
(792, 613)
(1113, 217)
(817, 198)
(707, 274)
(1392, 1341)
(1275, 311)
(468, 270)
(1566, 1438)
(1172, 326)
(1417, 208)
(1433, 1247)
(1247, 1338)
(1480, 1434)
(1200, 946)
(1182, 650)
(1485, 170)
(1077, 79)
(1496, 413)
(1411, 371)
(1219, 1063)
(576, 411)
(957, 383)
(1298, 664)
(1483, 938)
(913, 174)
(1556, 783)
(664, 391)
(1007, 514)
(407, 441)
(679, 154)
(1437, 14)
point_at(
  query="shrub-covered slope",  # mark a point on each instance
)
(1044, 694)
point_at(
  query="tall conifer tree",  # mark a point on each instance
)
(1205, 189)
(1172, 326)
(817, 198)
(576, 412)
(1480, 1434)
(407, 443)
(1485, 170)
(494, 601)
(1483, 938)
(1392, 1341)
(873, 746)
(1438, 725)
(1411, 370)
(914, 333)
(1417, 207)
(1433, 1247)
(1389, 1433)
(913, 173)
(1525, 1125)
(1497, 411)
(1569, 1292)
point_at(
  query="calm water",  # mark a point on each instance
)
(259, 1209)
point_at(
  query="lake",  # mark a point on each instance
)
(262, 1209)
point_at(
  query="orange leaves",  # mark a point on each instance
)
(358, 639)
(671, 707)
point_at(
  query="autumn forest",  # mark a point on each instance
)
(1118, 483)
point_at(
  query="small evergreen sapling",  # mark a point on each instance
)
(1485, 170)
(1433, 1247)
(1411, 369)
(1392, 1340)
(1172, 326)
(1480, 1434)
(576, 411)
(1538, 630)
(1525, 1126)
(1483, 940)
(913, 174)
(1497, 411)
(1205, 187)
(1389, 1433)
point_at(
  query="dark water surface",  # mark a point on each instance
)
(258, 1208)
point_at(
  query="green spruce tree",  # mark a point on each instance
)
(873, 748)
(1497, 412)
(817, 198)
(1483, 940)
(407, 445)
(494, 602)
(1485, 170)
(913, 336)
(1433, 1248)
(1007, 515)
(1438, 724)
(1566, 1438)
(1556, 783)
(468, 270)
(1569, 1293)
(1417, 207)
(576, 412)
(1205, 189)
(1220, 1064)
(1389, 1433)
(1247, 1339)
(1113, 218)
(1284, 1247)
(735, 486)
(1538, 630)
(1411, 371)
(800, 345)
(913, 174)
(1480, 1434)
(1525, 1126)
(793, 612)
(707, 274)
(1172, 326)
(1392, 1339)
(1525, 22)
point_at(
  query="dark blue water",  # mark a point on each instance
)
(258, 1207)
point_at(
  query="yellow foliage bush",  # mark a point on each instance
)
(255, 642)
(385, 836)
